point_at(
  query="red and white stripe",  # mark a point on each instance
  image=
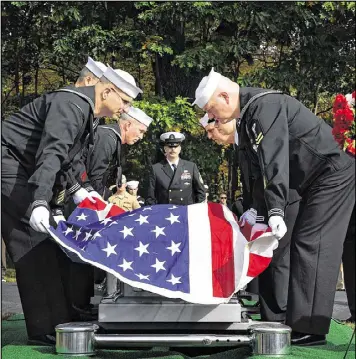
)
(222, 259)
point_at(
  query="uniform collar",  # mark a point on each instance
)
(85, 90)
(115, 127)
(171, 163)
(246, 93)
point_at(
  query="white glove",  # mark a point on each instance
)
(59, 218)
(81, 195)
(95, 194)
(249, 217)
(40, 219)
(278, 227)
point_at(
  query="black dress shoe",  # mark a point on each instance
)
(46, 340)
(86, 309)
(303, 339)
(86, 314)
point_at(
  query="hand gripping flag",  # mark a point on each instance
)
(197, 253)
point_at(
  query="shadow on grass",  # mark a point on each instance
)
(127, 354)
(338, 348)
(184, 353)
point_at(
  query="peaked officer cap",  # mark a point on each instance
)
(172, 138)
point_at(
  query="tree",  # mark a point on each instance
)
(306, 49)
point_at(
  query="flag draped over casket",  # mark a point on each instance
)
(197, 253)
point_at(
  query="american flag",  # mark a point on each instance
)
(197, 253)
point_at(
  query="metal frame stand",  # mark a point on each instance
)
(127, 308)
(79, 339)
(135, 318)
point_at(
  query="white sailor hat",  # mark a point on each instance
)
(205, 120)
(206, 88)
(172, 139)
(122, 80)
(95, 67)
(132, 184)
(140, 116)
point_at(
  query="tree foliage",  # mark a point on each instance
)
(306, 49)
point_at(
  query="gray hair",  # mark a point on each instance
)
(85, 72)
(104, 80)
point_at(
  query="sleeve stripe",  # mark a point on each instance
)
(38, 203)
(74, 188)
(275, 212)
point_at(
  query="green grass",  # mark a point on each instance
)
(14, 347)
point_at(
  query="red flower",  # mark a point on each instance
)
(339, 136)
(344, 116)
(349, 115)
(341, 125)
(340, 103)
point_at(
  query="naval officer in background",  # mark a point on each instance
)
(174, 180)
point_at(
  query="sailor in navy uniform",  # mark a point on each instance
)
(132, 188)
(90, 171)
(81, 274)
(272, 284)
(104, 158)
(174, 180)
(38, 142)
(94, 165)
(293, 149)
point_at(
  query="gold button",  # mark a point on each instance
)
(170, 199)
(181, 190)
(181, 199)
(170, 190)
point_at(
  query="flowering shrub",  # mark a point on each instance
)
(344, 129)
